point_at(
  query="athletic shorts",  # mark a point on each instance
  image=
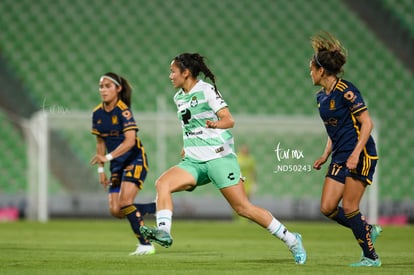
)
(364, 171)
(134, 172)
(222, 172)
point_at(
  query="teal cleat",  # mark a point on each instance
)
(298, 251)
(375, 232)
(161, 237)
(367, 262)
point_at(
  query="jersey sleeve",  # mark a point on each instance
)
(128, 121)
(354, 101)
(215, 101)
(95, 130)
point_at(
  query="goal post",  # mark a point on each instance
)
(37, 138)
(284, 149)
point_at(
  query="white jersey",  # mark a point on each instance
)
(194, 109)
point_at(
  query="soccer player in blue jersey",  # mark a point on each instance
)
(350, 144)
(117, 142)
(208, 156)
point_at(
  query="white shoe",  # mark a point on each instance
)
(143, 250)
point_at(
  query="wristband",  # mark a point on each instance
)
(109, 157)
(101, 170)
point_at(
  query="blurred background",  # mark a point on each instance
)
(52, 54)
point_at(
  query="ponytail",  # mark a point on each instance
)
(194, 62)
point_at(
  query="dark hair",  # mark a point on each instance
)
(194, 62)
(329, 53)
(125, 93)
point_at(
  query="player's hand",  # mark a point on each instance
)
(352, 161)
(211, 124)
(103, 180)
(318, 163)
(98, 159)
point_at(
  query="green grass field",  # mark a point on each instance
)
(200, 247)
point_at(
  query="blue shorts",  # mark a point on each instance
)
(364, 171)
(135, 173)
(222, 172)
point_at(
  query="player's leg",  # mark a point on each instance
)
(353, 192)
(113, 195)
(113, 204)
(237, 198)
(331, 196)
(173, 180)
(332, 193)
(114, 209)
(132, 180)
(129, 191)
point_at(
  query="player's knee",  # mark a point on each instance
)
(242, 211)
(161, 186)
(116, 213)
(327, 209)
(349, 208)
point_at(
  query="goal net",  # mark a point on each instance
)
(63, 183)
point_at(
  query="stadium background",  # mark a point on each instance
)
(53, 52)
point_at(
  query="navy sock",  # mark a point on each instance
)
(339, 216)
(145, 208)
(135, 219)
(361, 230)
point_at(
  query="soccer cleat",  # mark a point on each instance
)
(367, 262)
(161, 237)
(143, 250)
(298, 251)
(375, 232)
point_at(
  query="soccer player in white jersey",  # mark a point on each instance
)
(208, 156)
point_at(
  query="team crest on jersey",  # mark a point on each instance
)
(332, 105)
(99, 121)
(193, 102)
(114, 120)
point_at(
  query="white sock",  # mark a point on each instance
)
(164, 220)
(279, 230)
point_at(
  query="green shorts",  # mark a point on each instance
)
(222, 172)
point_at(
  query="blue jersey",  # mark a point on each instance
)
(111, 126)
(338, 111)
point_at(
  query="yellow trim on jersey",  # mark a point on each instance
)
(367, 157)
(95, 132)
(130, 128)
(99, 106)
(144, 155)
(121, 105)
(341, 85)
(359, 110)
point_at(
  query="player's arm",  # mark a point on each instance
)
(126, 145)
(326, 153)
(366, 127)
(225, 120)
(100, 150)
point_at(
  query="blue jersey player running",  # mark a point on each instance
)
(117, 142)
(350, 145)
(208, 156)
